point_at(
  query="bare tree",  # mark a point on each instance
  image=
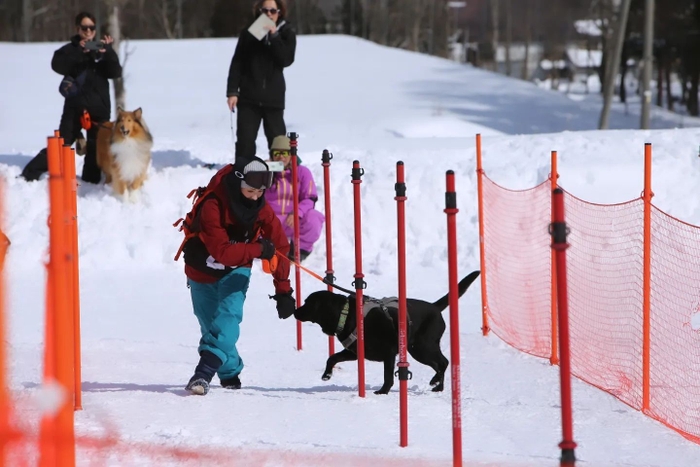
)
(178, 18)
(298, 7)
(28, 15)
(528, 4)
(494, 31)
(509, 35)
(115, 30)
(165, 19)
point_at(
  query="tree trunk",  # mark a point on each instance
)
(693, 107)
(166, 20)
(297, 10)
(623, 76)
(27, 20)
(494, 32)
(415, 30)
(178, 18)
(386, 22)
(142, 15)
(669, 96)
(116, 33)
(525, 72)
(352, 17)
(431, 19)
(509, 36)
(365, 18)
(660, 79)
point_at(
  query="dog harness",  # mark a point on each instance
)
(369, 304)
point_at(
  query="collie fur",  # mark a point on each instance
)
(124, 152)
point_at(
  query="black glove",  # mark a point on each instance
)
(286, 305)
(268, 248)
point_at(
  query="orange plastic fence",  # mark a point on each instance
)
(109, 449)
(675, 337)
(518, 265)
(654, 367)
(4, 392)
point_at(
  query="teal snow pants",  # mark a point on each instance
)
(219, 309)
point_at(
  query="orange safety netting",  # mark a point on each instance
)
(675, 344)
(606, 296)
(110, 449)
(518, 265)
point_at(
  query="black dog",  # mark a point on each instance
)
(336, 316)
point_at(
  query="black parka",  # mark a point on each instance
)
(256, 72)
(71, 60)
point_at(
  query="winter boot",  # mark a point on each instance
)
(231, 383)
(198, 386)
(203, 373)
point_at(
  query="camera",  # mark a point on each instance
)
(94, 45)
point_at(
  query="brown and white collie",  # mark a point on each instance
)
(124, 152)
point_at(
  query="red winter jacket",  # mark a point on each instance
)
(215, 217)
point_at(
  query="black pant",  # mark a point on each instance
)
(69, 129)
(248, 125)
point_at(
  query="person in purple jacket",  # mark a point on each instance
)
(280, 197)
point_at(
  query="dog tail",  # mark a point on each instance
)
(463, 286)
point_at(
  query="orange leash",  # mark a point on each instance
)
(271, 266)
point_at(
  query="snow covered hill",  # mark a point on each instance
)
(362, 102)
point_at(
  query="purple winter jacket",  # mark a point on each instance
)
(280, 195)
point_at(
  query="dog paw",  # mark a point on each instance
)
(326, 376)
(438, 387)
(382, 391)
(134, 196)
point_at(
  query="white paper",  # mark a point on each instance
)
(275, 166)
(257, 29)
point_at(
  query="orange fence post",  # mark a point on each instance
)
(482, 254)
(5, 406)
(554, 357)
(47, 430)
(63, 435)
(646, 313)
(71, 192)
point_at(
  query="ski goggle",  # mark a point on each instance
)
(257, 180)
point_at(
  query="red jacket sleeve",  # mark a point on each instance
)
(273, 230)
(215, 238)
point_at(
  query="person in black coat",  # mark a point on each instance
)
(256, 83)
(86, 67)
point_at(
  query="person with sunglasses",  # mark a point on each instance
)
(236, 226)
(256, 87)
(280, 196)
(86, 66)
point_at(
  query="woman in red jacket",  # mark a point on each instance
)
(235, 227)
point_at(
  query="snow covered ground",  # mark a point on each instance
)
(362, 102)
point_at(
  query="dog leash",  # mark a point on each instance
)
(366, 298)
(233, 138)
(317, 276)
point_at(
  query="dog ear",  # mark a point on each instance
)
(137, 113)
(119, 110)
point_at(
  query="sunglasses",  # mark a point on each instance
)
(281, 154)
(272, 11)
(88, 28)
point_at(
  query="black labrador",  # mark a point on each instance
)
(336, 315)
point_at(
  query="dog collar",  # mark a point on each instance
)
(343, 317)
